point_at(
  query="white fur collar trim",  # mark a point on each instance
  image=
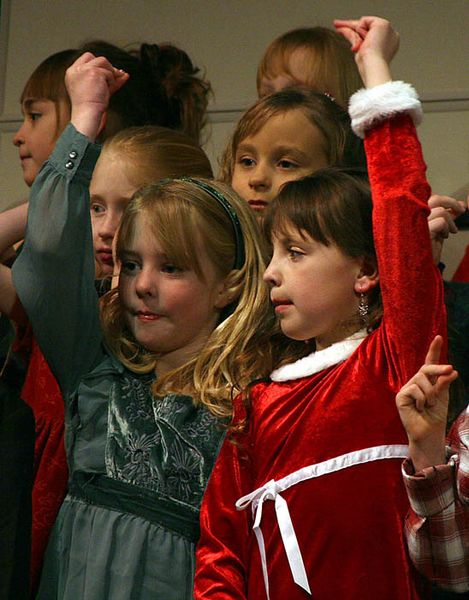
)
(370, 106)
(322, 359)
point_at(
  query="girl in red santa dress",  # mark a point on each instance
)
(306, 499)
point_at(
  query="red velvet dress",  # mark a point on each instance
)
(42, 393)
(348, 522)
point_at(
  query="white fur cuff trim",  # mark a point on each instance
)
(370, 106)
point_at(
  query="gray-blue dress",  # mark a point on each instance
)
(138, 466)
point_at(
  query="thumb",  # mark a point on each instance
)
(120, 79)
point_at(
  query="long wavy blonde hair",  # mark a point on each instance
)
(181, 215)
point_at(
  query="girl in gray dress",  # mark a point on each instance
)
(138, 371)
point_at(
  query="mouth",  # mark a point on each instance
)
(258, 205)
(105, 256)
(281, 305)
(24, 159)
(147, 316)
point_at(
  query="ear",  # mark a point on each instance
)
(367, 277)
(228, 290)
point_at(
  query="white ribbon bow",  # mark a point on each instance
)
(270, 491)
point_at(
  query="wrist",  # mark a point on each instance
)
(374, 70)
(87, 120)
(429, 454)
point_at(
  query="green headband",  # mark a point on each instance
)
(220, 198)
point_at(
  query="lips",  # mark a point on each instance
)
(281, 305)
(104, 255)
(23, 159)
(147, 316)
(258, 204)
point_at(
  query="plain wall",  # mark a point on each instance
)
(226, 39)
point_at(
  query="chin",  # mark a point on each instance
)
(103, 271)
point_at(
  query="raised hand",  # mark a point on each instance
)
(90, 82)
(374, 42)
(423, 407)
(444, 211)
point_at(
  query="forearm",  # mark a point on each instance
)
(437, 528)
(221, 558)
(54, 274)
(10, 306)
(12, 226)
(411, 286)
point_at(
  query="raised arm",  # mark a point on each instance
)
(386, 114)
(54, 274)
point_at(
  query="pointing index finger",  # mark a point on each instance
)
(434, 351)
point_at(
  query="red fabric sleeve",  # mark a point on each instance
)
(411, 285)
(222, 552)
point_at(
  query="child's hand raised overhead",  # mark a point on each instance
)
(423, 408)
(90, 82)
(375, 43)
(444, 211)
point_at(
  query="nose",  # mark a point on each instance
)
(260, 178)
(271, 274)
(108, 226)
(145, 283)
(18, 138)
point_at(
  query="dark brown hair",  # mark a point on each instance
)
(332, 206)
(164, 87)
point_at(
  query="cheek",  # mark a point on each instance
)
(238, 182)
(124, 290)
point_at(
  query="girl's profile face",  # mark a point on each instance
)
(110, 192)
(314, 288)
(167, 307)
(287, 147)
(37, 135)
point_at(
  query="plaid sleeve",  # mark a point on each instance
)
(437, 526)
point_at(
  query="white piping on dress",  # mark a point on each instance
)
(271, 491)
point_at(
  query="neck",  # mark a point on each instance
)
(342, 332)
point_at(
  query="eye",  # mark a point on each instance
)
(287, 164)
(295, 253)
(129, 266)
(246, 161)
(33, 116)
(171, 269)
(97, 209)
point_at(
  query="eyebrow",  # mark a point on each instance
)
(120, 200)
(278, 150)
(245, 148)
(290, 150)
(30, 101)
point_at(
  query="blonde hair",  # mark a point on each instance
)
(341, 145)
(153, 153)
(182, 215)
(331, 64)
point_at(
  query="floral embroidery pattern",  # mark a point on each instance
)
(137, 466)
(166, 445)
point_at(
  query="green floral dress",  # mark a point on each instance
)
(138, 465)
